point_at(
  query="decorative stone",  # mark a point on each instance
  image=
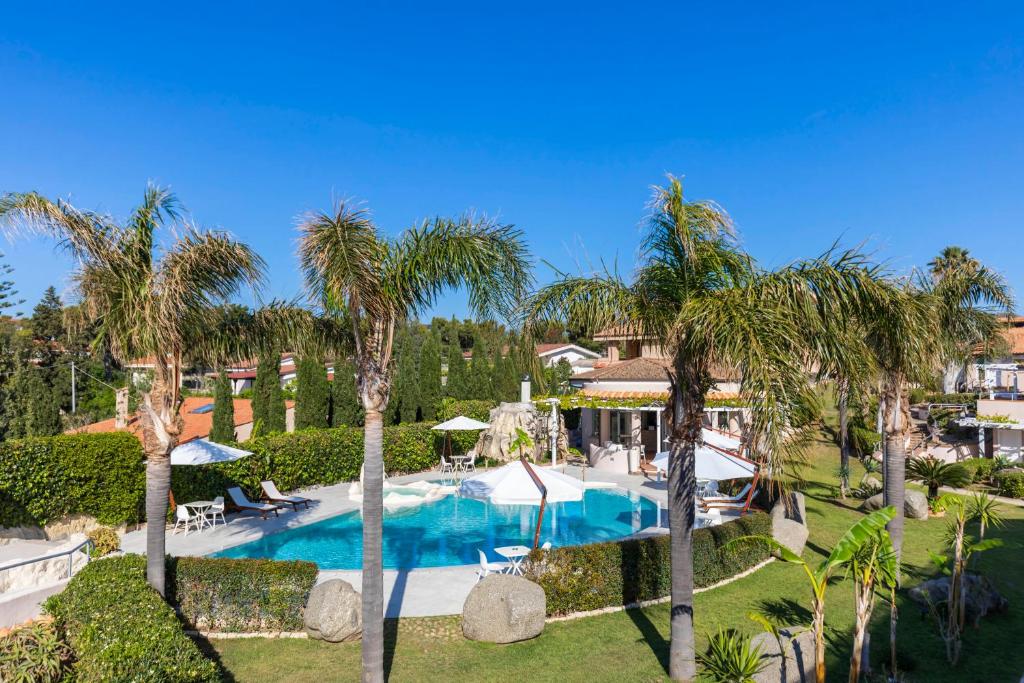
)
(334, 612)
(872, 482)
(533, 419)
(790, 657)
(982, 598)
(915, 504)
(875, 502)
(504, 609)
(789, 522)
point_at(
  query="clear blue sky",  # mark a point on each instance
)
(901, 126)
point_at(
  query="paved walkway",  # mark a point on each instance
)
(429, 591)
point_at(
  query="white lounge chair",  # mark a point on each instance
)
(186, 518)
(487, 567)
(738, 498)
(217, 509)
(243, 504)
(738, 503)
(272, 495)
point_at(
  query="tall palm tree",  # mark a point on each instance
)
(146, 299)
(379, 282)
(706, 302)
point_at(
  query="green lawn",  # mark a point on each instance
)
(632, 646)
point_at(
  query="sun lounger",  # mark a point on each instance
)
(272, 495)
(739, 503)
(243, 504)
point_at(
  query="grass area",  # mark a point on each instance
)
(633, 646)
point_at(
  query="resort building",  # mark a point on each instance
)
(581, 359)
(243, 374)
(1000, 423)
(623, 400)
(1004, 375)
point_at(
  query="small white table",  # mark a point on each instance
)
(515, 554)
(460, 462)
(200, 507)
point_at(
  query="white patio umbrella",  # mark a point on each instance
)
(457, 424)
(722, 441)
(713, 465)
(511, 484)
(200, 452)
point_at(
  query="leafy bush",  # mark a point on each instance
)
(730, 658)
(1010, 483)
(47, 478)
(934, 473)
(314, 457)
(474, 408)
(104, 541)
(220, 594)
(121, 629)
(979, 469)
(864, 441)
(33, 654)
(588, 577)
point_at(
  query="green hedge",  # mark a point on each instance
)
(122, 630)
(46, 478)
(221, 594)
(980, 469)
(1010, 484)
(313, 457)
(589, 577)
(474, 408)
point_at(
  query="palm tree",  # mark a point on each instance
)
(934, 473)
(951, 258)
(146, 299)
(378, 283)
(706, 302)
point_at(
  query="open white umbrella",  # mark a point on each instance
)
(713, 465)
(513, 485)
(721, 440)
(460, 424)
(200, 452)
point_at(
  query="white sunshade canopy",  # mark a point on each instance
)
(720, 440)
(512, 485)
(460, 424)
(713, 465)
(200, 452)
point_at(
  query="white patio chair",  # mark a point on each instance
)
(186, 518)
(546, 546)
(487, 567)
(470, 462)
(446, 466)
(217, 509)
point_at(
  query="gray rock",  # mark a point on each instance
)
(504, 609)
(982, 597)
(871, 482)
(915, 504)
(789, 522)
(795, 666)
(334, 612)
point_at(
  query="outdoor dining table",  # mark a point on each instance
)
(515, 554)
(201, 507)
(459, 462)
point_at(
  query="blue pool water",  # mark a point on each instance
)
(449, 531)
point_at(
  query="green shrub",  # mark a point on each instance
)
(47, 478)
(474, 408)
(104, 541)
(1010, 483)
(220, 594)
(588, 577)
(864, 441)
(33, 654)
(968, 399)
(980, 469)
(315, 457)
(122, 630)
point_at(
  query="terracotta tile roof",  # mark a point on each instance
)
(617, 333)
(655, 395)
(196, 425)
(632, 370)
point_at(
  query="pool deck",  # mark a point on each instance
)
(432, 591)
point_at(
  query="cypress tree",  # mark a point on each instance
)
(223, 430)
(455, 386)
(430, 376)
(346, 410)
(404, 393)
(268, 409)
(312, 396)
(499, 371)
(479, 383)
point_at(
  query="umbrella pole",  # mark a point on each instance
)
(543, 496)
(540, 519)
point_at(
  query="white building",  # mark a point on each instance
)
(579, 358)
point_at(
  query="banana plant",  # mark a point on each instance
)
(521, 442)
(848, 552)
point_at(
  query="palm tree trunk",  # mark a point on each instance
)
(689, 411)
(373, 568)
(818, 628)
(844, 438)
(863, 599)
(893, 616)
(895, 458)
(158, 486)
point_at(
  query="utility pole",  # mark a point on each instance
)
(74, 401)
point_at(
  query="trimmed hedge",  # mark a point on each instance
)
(121, 629)
(315, 457)
(980, 469)
(1010, 484)
(478, 409)
(46, 478)
(221, 594)
(589, 577)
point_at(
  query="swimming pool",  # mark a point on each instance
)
(449, 531)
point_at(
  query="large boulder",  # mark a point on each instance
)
(790, 657)
(504, 609)
(915, 504)
(981, 596)
(534, 419)
(334, 612)
(789, 522)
